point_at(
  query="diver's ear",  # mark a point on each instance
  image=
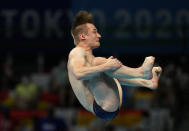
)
(82, 36)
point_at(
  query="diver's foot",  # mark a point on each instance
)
(156, 71)
(147, 67)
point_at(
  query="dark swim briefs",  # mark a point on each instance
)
(105, 115)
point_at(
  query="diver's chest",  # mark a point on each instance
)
(89, 61)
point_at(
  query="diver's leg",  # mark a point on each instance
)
(138, 82)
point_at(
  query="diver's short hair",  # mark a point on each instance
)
(78, 25)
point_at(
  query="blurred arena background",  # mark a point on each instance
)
(35, 40)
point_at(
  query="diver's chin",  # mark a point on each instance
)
(96, 46)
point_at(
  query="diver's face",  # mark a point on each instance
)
(92, 36)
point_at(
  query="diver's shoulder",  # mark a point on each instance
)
(77, 50)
